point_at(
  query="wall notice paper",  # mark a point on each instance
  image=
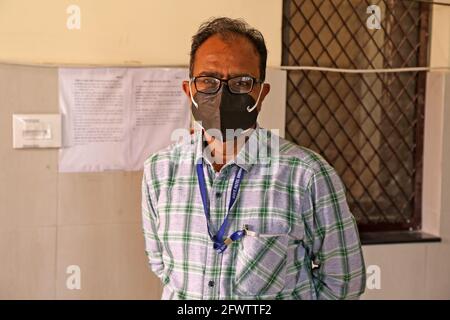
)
(114, 118)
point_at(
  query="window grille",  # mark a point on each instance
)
(369, 127)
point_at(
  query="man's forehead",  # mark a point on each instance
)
(225, 68)
(231, 56)
(218, 43)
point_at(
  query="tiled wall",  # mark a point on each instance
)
(49, 220)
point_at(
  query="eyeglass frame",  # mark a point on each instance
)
(254, 81)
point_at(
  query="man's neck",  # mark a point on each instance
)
(223, 152)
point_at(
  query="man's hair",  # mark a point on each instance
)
(226, 28)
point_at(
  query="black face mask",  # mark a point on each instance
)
(224, 110)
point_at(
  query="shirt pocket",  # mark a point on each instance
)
(261, 263)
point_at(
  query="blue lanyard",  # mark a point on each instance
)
(220, 244)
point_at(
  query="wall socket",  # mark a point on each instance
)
(36, 131)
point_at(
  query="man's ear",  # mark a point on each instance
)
(185, 86)
(265, 91)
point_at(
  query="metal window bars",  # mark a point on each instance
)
(368, 126)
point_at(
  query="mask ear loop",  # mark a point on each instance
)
(192, 97)
(250, 109)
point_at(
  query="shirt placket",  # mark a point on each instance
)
(218, 207)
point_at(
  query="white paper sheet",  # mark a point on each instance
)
(114, 118)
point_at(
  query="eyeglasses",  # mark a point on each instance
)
(237, 85)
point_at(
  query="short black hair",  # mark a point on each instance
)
(226, 27)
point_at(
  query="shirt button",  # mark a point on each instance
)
(211, 283)
(218, 194)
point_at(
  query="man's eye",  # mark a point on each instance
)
(243, 84)
(208, 81)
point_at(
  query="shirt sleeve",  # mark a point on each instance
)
(153, 247)
(334, 246)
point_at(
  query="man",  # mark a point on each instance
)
(223, 221)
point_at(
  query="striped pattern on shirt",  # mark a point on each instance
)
(304, 242)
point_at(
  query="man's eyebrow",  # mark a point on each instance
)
(211, 74)
(234, 75)
(220, 75)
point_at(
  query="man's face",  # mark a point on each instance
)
(225, 59)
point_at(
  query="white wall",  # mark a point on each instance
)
(136, 32)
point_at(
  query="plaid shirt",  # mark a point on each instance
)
(304, 243)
